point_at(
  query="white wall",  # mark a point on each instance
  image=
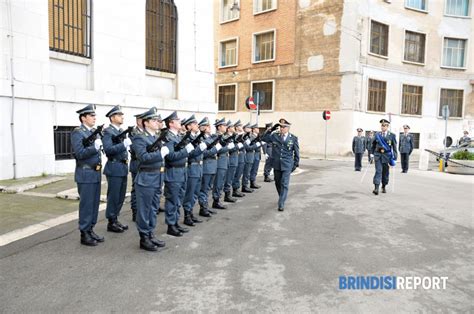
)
(49, 89)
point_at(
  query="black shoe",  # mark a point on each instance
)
(237, 193)
(188, 220)
(172, 230)
(181, 229)
(87, 239)
(218, 205)
(267, 179)
(357, 170)
(96, 237)
(254, 185)
(280, 209)
(212, 212)
(112, 226)
(146, 243)
(383, 189)
(204, 212)
(228, 198)
(134, 214)
(195, 219)
(155, 241)
(124, 227)
(246, 189)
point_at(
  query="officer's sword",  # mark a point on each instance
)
(365, 171)
(393, 184)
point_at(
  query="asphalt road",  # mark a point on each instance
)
(252, 258)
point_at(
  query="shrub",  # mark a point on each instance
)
(463, 155)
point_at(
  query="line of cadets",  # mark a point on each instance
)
(183, 156)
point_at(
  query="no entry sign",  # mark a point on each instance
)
(249, 103)
(326, 115)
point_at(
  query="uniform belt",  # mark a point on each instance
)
(213, 157)
(97, 167)
(145, 169)
(119, 160)
(177, 167)
(222, 154)
(194, 163)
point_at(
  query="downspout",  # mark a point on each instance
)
(12, 85)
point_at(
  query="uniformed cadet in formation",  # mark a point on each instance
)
(384, 152)
(239, 171)
(115, 145)
(405, 147)
(267, 151)
(368, 145)
(137, 129)
(465, 138)
(286, 157)
(233, 163)
(250, 147)
(148, 179)
(87, 151)
(257, 157)
(358, 148)
(222, 164)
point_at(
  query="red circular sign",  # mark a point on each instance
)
(326, 115)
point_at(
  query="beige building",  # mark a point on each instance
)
(364, 60)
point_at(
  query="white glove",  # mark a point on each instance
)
(263, 143)
(240, 145)
(266, 156)
(231, 145)
(164, 151)
(202, 146)
(189, 147)
(258, 144)
(127, 142)
(247, 141)
(218, 146)
(371, 155)
(98, 144)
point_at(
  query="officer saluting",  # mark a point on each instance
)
(384, 151)
(87, 174)
(148, 179)
(116, 169)
(405, 147)
(285, 155)
(358, 148)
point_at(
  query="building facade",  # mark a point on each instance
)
(363, 60)
(59, 55)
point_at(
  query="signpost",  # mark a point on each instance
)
(445, 113)
(326, 117)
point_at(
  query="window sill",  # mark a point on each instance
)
(227, 111)
(228, 21)
(413, 62)
(452, 68)
(263, 61)
(375, 112)
(262, 12)
(451, 118)
(416, 10)
(160, 74)
(228, 66)
(69, 58)
(458, 16)
(377, 55)
(411, 115)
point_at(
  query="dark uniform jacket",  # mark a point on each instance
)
(87, 158)
(209, 165)
(175, 161)
(378, 150)
(117, 155)
(358, 144)
(285, 154)
(406, 143)
(149, 163)
(195, 162)
(133, 157)
(223, 157)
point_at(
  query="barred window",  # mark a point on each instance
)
(377, 94)
(454, 99)
(454, 52)
(267, 89)
(264, 46)
(70, 27)
(379, 38)
(161, 35)
(227, 97)
(415, 47)
(228, 53)
(264, 5)
(62, 142)
(412, 99)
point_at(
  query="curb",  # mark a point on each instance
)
(29, 186)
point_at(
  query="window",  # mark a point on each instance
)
(62, 142)
(454, 52)
(377, 91)
(453, 98)
(379, 38)
(457, 7)
(415, 47)
(265, 90)
(412, 99)
(70, 27)
(227, 97)
(230, 10)
(161, 33)
(416, 139)
(228, 53)
(264, 46)
(416, 4)
(260, 6)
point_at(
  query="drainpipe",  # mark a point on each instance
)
(12, 84)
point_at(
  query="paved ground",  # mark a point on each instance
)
(252, 258)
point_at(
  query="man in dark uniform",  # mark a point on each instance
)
(87, 174)
(194, 173)
(358, 148)
(405, 147)
(368, 144)
(233, 163)
(384, 152)
(257, 158)
(222, 165)
(267, 150)
(209, 168)
(286, 157)
(175, 164)
(236, 182)
(249, 158)
(137, 129)
(148, 179)
(465, 138)
(116, 169)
